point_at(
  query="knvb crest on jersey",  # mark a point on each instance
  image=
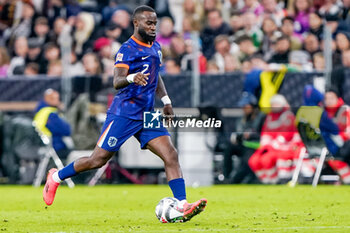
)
(112, 141)
(152, 120)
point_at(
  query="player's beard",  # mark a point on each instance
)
(145, 36)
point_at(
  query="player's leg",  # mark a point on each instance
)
(163, 147)
(98, 158)
(115, 132)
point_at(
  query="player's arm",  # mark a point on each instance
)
(163, 95)
(121, 78)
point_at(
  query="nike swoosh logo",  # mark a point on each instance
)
(143, 58)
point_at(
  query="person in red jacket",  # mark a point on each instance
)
(339, 112)
(279, 144)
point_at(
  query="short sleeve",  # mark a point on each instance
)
(124, 57)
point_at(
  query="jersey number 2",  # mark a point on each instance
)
(145, 68)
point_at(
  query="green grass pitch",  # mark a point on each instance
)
(130, 208)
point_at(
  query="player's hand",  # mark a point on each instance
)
(168, 112)
(141, 79)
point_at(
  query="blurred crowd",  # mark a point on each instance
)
(229, 34)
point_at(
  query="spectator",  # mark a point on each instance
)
(222, 48)
(103, 47)
(272, 10)
(76, 67)
(172, 66)
(113, 32)
(246, 47)
(346, 58)
(32, 69)
(193, 11)
(336, 55)
(300, 60)
(342, 40)
(166, 33)
(282, 50)
(122, 18)
(84, 26)
(177, 48)
(279, 143)
(68, 9)
(212, 67)
(34, 51)
(251, 28)
(252, 6)
(51, 124)
(316, 25)
(246, 66)
(187, 28)
(161, 7)
(311, 44)
(58, 25)
(319, 62)
(231, 63)
(271, 34)
(211, 5)
(244, 141)
(17, 64)
(54, 69)
(338, 73)
(4, 62)
(340, 44)
(346, 12)
(330, 9)
(51, 54)
(216, 26)
(339, 112)
(233, 6)
(287, 29)
(7, 15)
(91, 64)
(112, 7)
(41, 30)
(237, 24)
(335, 25)
(302, 10)
(23, 29)
(187, 59)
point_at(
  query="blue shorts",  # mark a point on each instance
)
(116, 130)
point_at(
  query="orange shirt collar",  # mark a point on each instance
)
(141, 43)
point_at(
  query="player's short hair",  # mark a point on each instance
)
(142, 9)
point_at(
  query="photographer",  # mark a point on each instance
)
(244, 141)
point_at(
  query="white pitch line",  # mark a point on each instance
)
(251, 228)
(224, 229)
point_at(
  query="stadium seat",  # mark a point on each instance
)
(315, 148)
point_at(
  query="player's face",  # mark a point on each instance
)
(146, 25)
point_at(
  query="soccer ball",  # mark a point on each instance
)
(167, 211)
